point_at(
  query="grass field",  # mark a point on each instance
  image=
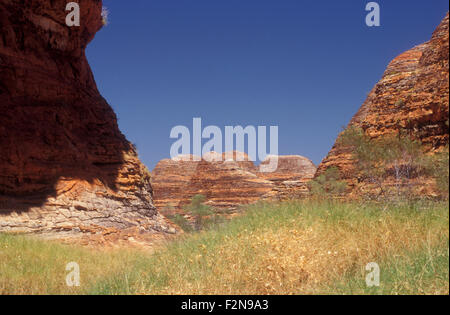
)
(286, 248)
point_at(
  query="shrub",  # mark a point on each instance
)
(400, 103)
(200, 212)
(146, 175)
(439, 169)
(328, 184)
(395, 156)
(181, 221)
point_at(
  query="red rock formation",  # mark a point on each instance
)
(226, 184)
(291, 176)
(64, 164)
(413, 95)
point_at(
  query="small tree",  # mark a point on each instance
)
(328, 184)
(403, 159)
(367, 156)
(182, 222)
(395, 156)
(199, 211)
(170, 212)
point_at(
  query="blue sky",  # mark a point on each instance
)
(305, 66)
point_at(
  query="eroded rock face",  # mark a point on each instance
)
(413, 96)
(227, 183)
(64, 164)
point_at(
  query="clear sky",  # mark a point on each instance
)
(305, 66)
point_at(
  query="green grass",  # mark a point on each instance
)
(287, 248)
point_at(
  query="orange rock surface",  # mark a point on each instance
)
(65, 168)
(291, 176)
(412, 95)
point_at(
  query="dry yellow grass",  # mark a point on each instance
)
(295, 258)
(289, 248)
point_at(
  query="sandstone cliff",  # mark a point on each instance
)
(64, 164)
(412, 95)
(226, 184)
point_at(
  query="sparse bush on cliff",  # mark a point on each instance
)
(404, 160)
(328, 184)
(400, 103)
(389, 163)
(146, 175)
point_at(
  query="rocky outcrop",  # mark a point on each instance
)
(226, 184)
(291, 176)
(412, 96)
(65, 168)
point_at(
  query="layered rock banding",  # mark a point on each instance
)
(64, 165)
(291, 176)
(226, 184)
(412, 96)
